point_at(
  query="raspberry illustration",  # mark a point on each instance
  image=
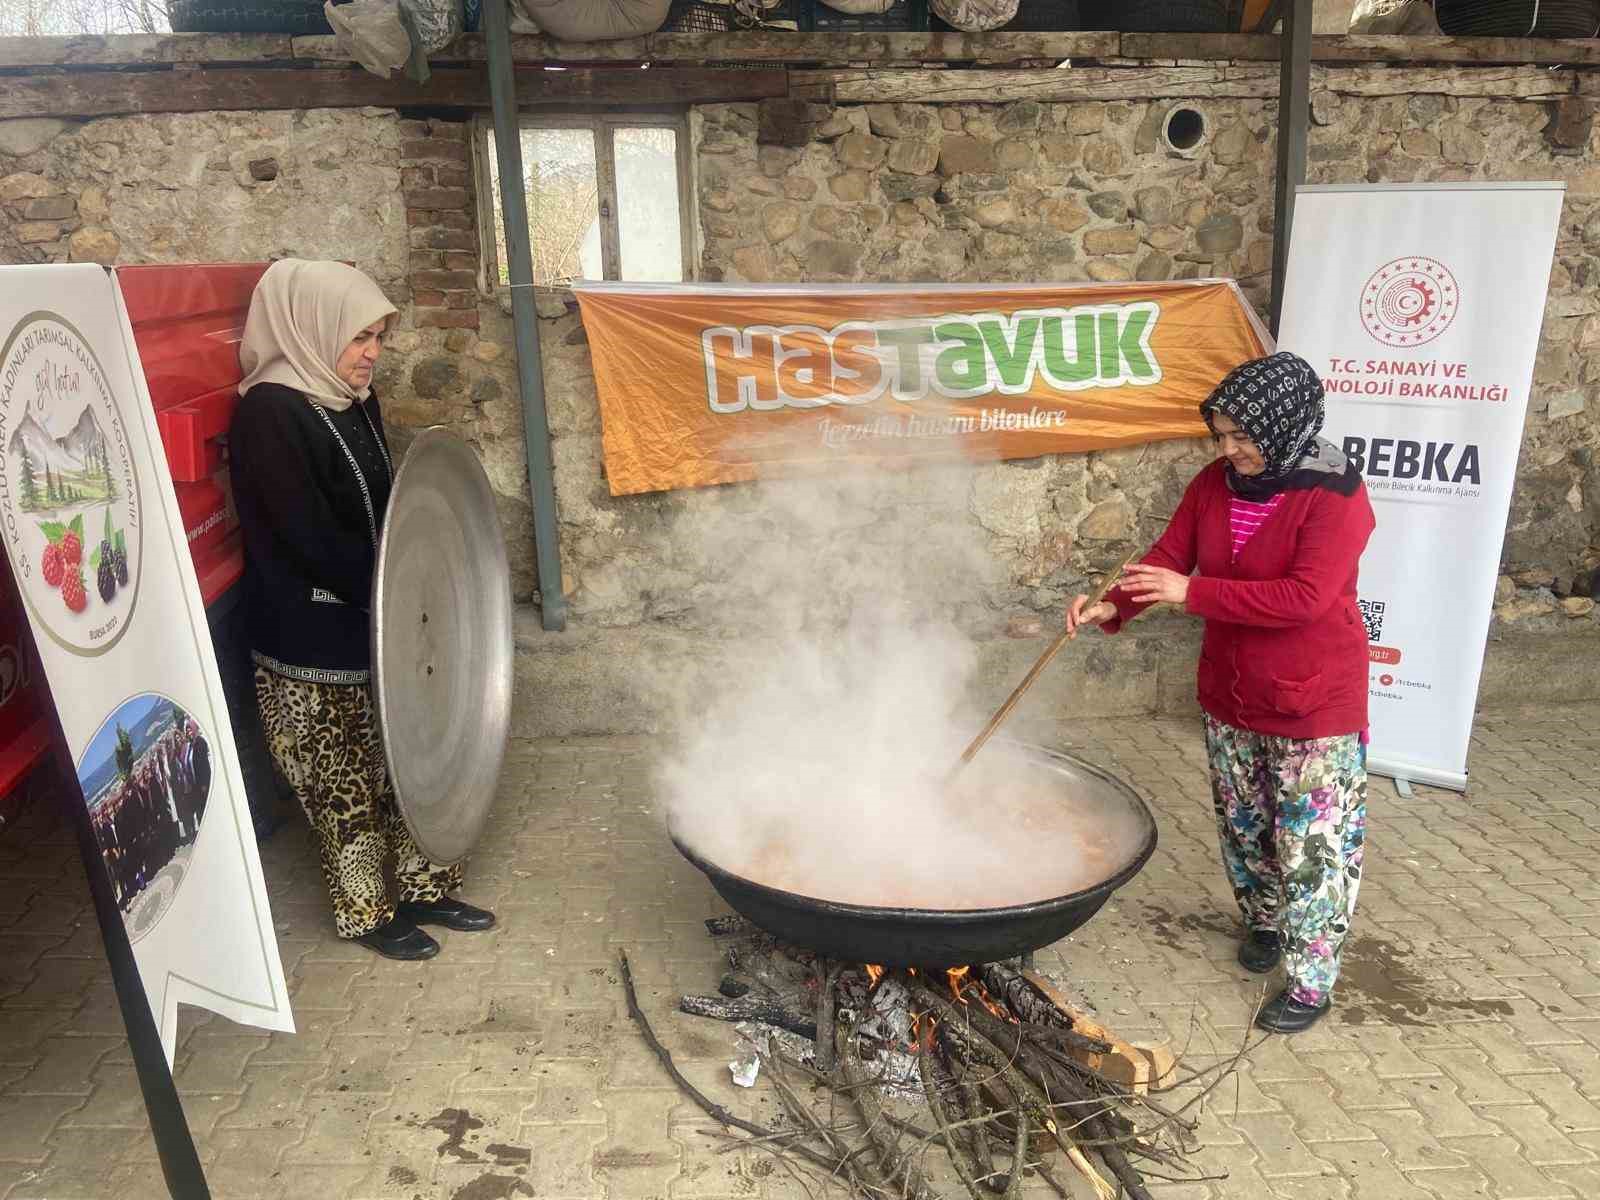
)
(72, 548)
(122, 568)
(106, 580)
(53, 568)
(72, 591)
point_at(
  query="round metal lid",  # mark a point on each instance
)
(442, 644)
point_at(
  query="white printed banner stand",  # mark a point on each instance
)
(1420, 306)
(97, 548)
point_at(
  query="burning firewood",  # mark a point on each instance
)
(1007, 1071)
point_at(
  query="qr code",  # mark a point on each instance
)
(1372, 615)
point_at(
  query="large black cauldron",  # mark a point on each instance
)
(939, 938)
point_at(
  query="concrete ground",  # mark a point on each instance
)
(1463, 1059)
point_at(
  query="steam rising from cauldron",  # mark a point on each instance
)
(821, 771)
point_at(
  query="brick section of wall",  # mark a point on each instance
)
(441, 218)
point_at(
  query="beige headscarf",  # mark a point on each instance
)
(302, 316)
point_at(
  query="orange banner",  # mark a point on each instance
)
(710, 384)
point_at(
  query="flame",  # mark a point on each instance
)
(957, 978)
(961, 985)
(874, 973)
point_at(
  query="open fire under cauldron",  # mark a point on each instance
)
(945, 938)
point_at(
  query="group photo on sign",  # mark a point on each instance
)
(145, 778)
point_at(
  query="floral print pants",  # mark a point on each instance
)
(1292, 819)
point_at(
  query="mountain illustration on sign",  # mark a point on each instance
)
(63, 474)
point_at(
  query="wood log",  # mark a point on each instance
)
(771, 46)
(127, 50)
(749, 1008)
(1501, 83)
(1224, 81)
(768, 46)
(1078, 83)
(897, 1161)
(1139, 1067)
(114, 93)
(729, 927)
(783, 978)
(1363, 48)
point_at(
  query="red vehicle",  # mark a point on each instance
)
(187, 322)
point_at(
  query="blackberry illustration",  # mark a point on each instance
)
(106, 579)
(122, 567)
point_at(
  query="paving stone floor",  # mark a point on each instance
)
(1463, 1059)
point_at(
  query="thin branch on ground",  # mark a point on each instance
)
(712, 1109)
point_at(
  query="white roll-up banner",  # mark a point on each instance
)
(91, 527)
(1420, 306)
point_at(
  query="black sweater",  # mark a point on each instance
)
(311, 486)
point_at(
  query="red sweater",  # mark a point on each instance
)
(1285, 650)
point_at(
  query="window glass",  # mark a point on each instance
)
(648, 211)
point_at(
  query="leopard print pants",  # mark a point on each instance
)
(325, 741)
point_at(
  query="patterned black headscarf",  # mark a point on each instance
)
(1278, 401)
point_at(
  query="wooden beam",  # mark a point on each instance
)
(1131, 49)
(1077, 83)
(113, 93)
(1365, 48)
(1499, 83)
(772, 46)
(131, 50)
(1249, 82)
(470, 48)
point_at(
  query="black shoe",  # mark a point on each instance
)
(1260, 951)
(452, 914)
(400, 938)
(1284, 1014)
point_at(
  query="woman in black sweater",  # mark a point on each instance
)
(311, 476)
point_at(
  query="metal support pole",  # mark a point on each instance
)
(1294, 114)
(524, 318)
(180, 1164)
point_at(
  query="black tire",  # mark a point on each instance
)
(1097, 15)
(1519, 18)
(1044, 16)
(1169, 16)
(299, 17)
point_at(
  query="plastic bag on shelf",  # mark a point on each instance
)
(974, 16)
(1413, 17)
(593, 20)
(371, 32)
(437, 22)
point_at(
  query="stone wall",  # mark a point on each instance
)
(1030, 191)
(1006, 191)
(392, 195)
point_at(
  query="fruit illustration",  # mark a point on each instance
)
(63, 550)
(109, 562)
(53, 567)
(72, 591)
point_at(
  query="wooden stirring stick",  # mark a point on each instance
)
(1044, 661)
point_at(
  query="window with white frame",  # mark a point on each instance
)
(607, 198)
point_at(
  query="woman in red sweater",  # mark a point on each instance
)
(1265, 545)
